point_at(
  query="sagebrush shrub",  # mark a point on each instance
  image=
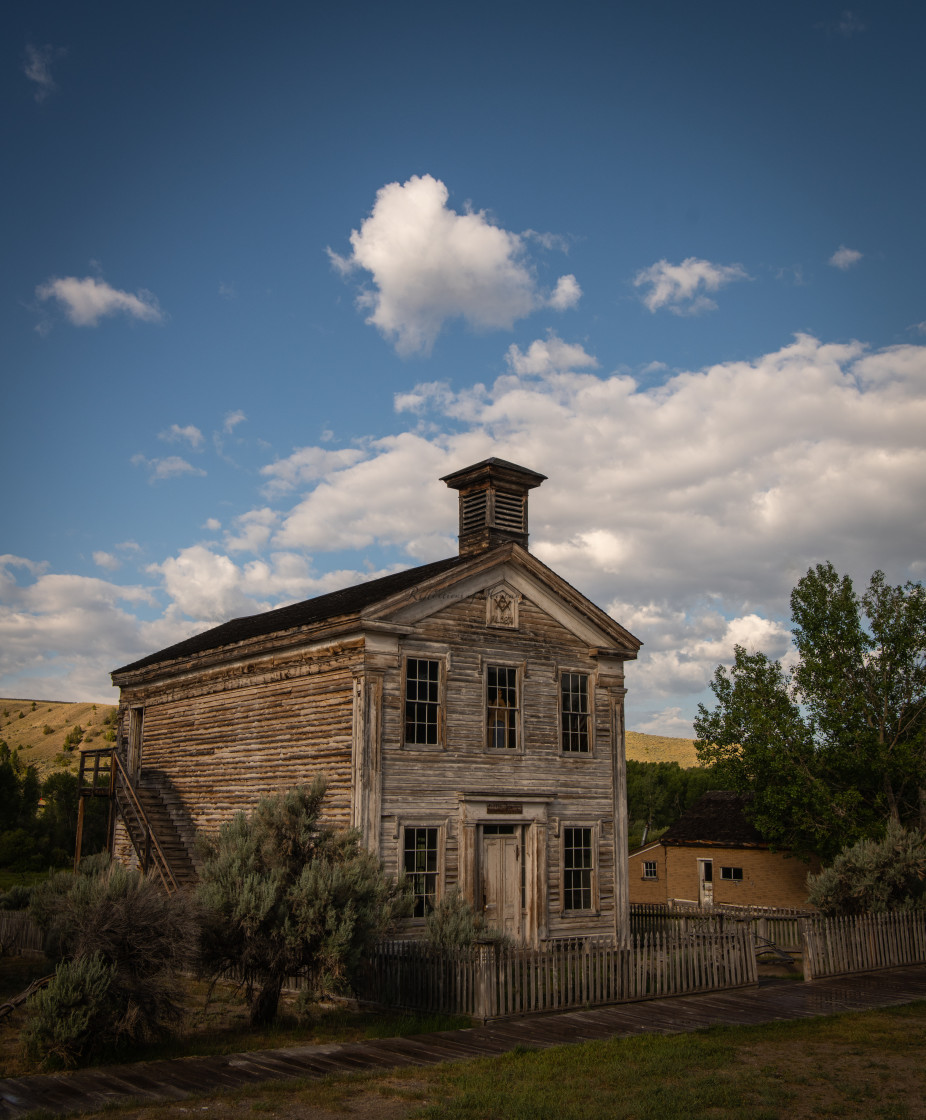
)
(874, 876)
(140, 933)
(73, 1018)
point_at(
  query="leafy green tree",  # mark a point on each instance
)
(284, 895)
(835, 748)
(874, 876)
(659, 792)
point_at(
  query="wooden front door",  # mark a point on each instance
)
(502, 878)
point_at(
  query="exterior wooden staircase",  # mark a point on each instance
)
(144, 811)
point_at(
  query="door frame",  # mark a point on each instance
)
(508, 807)
(705, 882)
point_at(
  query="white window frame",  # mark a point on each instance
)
(650, 870)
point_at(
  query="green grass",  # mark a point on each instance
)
(863, 1066)
(10, 878)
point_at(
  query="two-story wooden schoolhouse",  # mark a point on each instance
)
(467, 715)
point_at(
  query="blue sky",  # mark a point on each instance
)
(272, 269)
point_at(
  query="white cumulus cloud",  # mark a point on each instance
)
(686, 505)
(566, 294)
(87, 301)
(107, 561)
(545, 355)
(845, 258)
(429, 264)
(189, 434)
(171, 467)
(681, 287)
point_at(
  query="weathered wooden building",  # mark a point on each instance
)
(714, 856)
(467, 715)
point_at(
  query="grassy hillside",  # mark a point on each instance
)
(23, 725)
(660, 748)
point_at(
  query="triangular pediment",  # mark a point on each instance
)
(506, 576)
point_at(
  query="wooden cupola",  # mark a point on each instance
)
(493, 503)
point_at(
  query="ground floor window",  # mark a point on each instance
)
(421, 867)
(578, 868)
(649, 869)
(734, 874)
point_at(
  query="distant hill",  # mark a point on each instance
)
(23, 724)
(660, 748)
(46, 751)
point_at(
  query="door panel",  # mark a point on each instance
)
(501, 877)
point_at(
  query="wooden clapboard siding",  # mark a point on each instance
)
(225, 741)
(580, 787)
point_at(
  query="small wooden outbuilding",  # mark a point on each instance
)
(467, 715)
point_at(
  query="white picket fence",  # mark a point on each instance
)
(836, 946)
(498, 982)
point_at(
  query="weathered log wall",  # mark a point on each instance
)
(221, 740)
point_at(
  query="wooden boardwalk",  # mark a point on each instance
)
(180, 1078)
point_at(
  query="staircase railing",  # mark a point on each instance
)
(107, 763)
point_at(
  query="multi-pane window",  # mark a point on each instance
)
(649, 869)
(502, 707)
(578, 868)
(422, 701)
(574, 706)
(735, 874)
(421, 867)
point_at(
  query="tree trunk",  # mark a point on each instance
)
(265, 1003)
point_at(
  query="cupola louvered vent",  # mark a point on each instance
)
(493, 503)
(473, 510)
(509, 511)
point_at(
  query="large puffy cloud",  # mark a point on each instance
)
(690, 508)
(687, 509)
(429, 264)
(87, 301)
(61, 634)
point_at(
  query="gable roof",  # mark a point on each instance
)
(717, 819)
(382, 599)
(347, 601)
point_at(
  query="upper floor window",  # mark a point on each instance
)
(501, 707)
(578, 869)
(574, 708)
(422, 701)
(421, 867)
(649, 869)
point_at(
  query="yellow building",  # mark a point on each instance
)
(714, 856)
